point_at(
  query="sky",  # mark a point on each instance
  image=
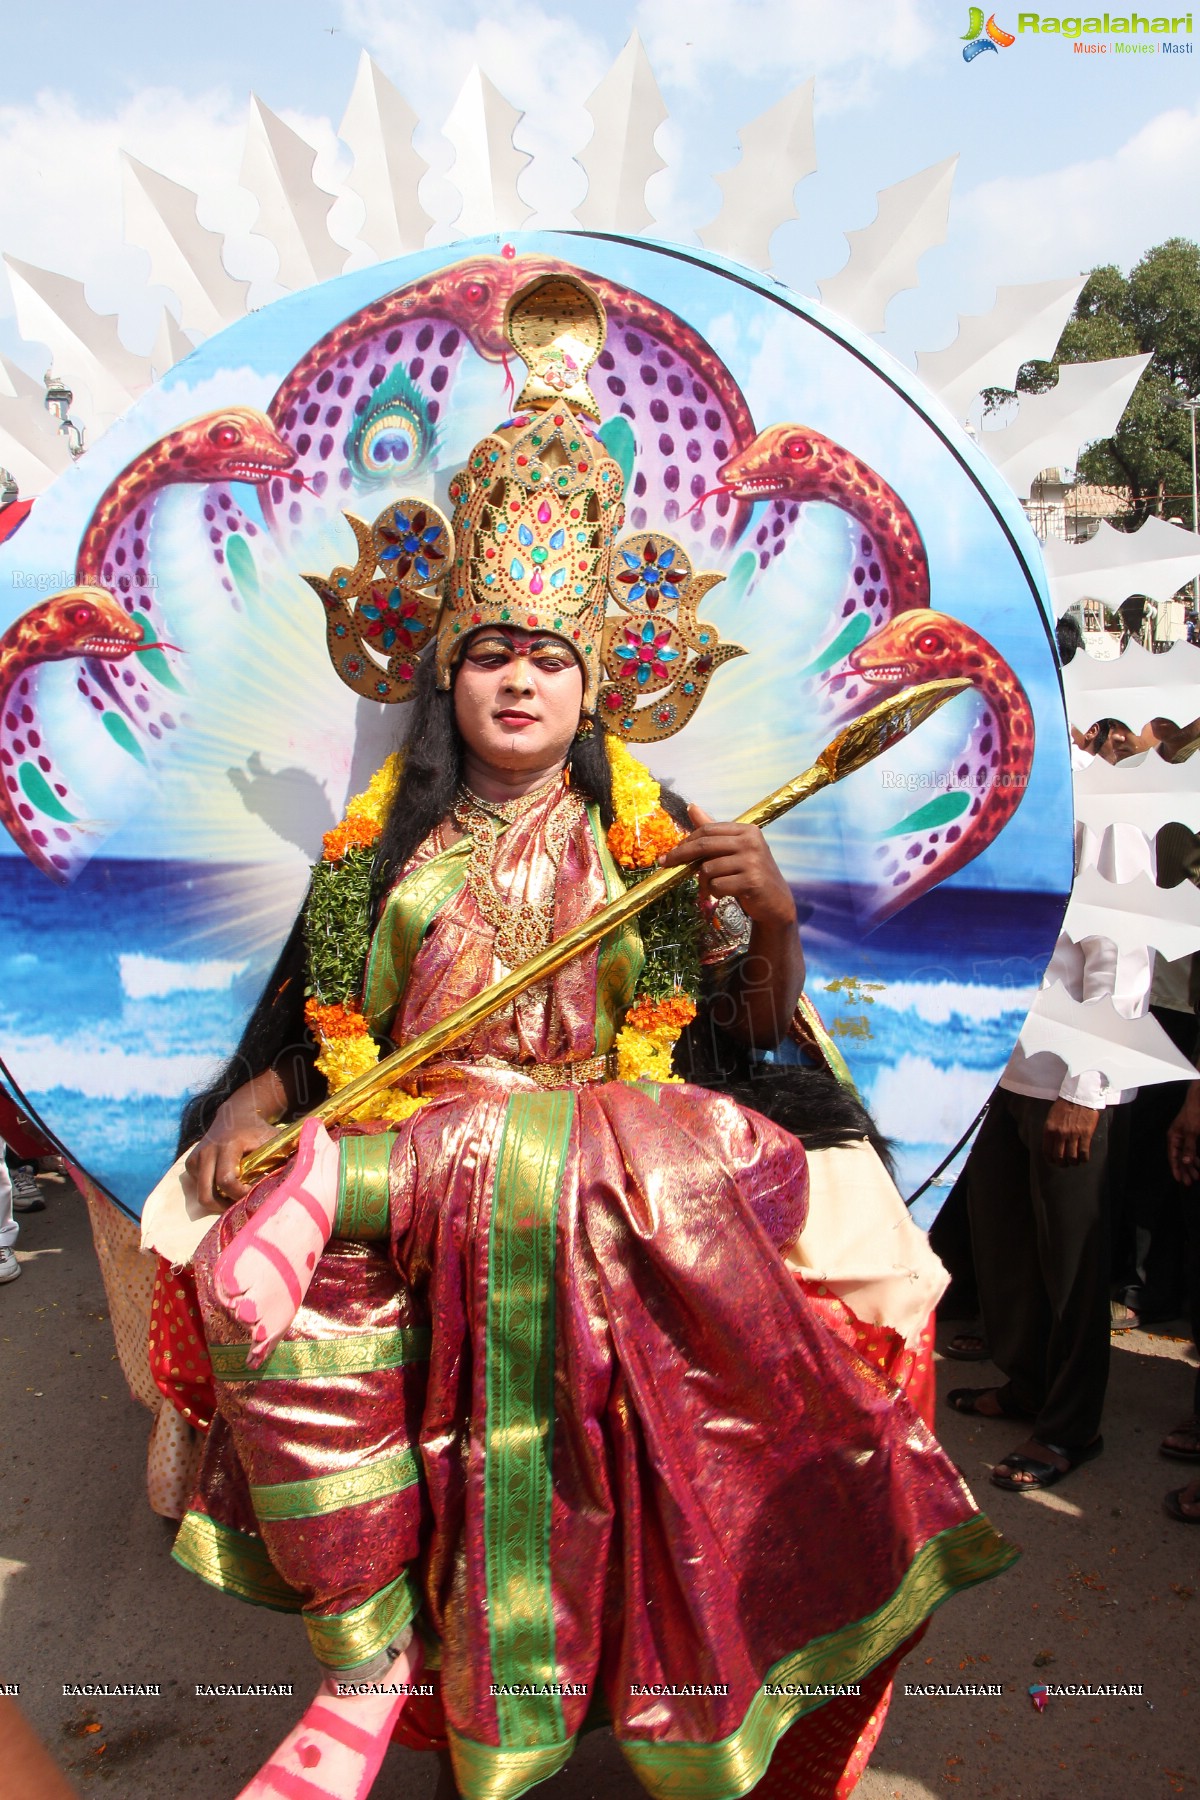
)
(1066, 160)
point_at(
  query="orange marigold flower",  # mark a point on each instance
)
(671, 1014)
(354, 833)
(640, 846)
(340, 1020)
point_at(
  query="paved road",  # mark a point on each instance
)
(1108, 1591)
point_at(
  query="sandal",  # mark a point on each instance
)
(1043, 1474)
(1173, 1504)
(966, 1400)
(1190, 1428)
(966, 1346)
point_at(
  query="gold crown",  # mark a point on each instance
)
(537, 511)
(540, 502)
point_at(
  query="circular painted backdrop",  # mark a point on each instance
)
(174, 740)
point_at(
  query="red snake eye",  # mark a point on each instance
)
(474, 293)
(930, 642)
(798, 449)
(82, 615)
(225, 436)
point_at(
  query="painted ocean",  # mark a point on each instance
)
(924, 1011)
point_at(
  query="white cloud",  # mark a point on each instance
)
(1108, 209)
(692, 41)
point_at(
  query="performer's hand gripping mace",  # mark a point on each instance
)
(859, 744)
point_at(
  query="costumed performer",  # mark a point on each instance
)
(512, 1375)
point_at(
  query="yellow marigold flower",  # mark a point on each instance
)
(342, 1059)
(641, 1057)
(635, 791)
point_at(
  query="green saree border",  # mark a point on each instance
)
(233, 1561)
(956, 1558)
(363, 1211)
(620, 957)
(316, 1359)
(371, 1480)
(483, 1772)
(519, 1430)
(408, 912)
(346, 1641)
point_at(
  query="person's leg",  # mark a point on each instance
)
(1011, 1298)
(1073, 1258)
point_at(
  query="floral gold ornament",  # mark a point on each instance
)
(381, 613)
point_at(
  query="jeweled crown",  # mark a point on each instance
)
(540, 502)
(537, 511)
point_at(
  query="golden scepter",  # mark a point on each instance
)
(853, 748)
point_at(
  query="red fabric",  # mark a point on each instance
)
(13, 516)
(422, 1724)
(16, 1129)
(179, 1360)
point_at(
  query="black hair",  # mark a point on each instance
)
(1069, 638)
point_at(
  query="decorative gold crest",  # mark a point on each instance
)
(381, 613)
(659, 656)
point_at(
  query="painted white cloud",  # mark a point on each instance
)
(154, 977)
(104, 1074)
(918, 1103)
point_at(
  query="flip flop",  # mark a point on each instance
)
(1043, 1474)
(1173, 1507)
(966, 1346)
(964, 1400)
(1189, 1428)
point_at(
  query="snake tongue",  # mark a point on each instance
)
(158, 644)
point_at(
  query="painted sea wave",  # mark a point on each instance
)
(129, 990)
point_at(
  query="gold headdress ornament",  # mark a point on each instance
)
(533, 543)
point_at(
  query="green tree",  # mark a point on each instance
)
(1155, 309)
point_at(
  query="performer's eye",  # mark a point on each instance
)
(225, 436)
(930, 642)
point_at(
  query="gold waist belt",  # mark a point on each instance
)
(555, 1075)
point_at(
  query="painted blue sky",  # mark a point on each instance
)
(1066, 160)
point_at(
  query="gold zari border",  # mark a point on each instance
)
(233, 1561)
(956, 1558)
(363, 1212)
(484, 1773)
(373, 1480)
(347, 1640)
(310, 1359)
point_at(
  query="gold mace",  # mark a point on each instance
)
(859, 744)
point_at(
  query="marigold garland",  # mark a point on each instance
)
(669, 985)
(337, 930)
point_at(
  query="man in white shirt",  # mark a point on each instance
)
(1039, 1210)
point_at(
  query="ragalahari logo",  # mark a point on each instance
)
(1039, 1695)
(980, 37)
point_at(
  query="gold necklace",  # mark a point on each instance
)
(526, 927)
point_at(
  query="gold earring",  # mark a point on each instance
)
(585, 727)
